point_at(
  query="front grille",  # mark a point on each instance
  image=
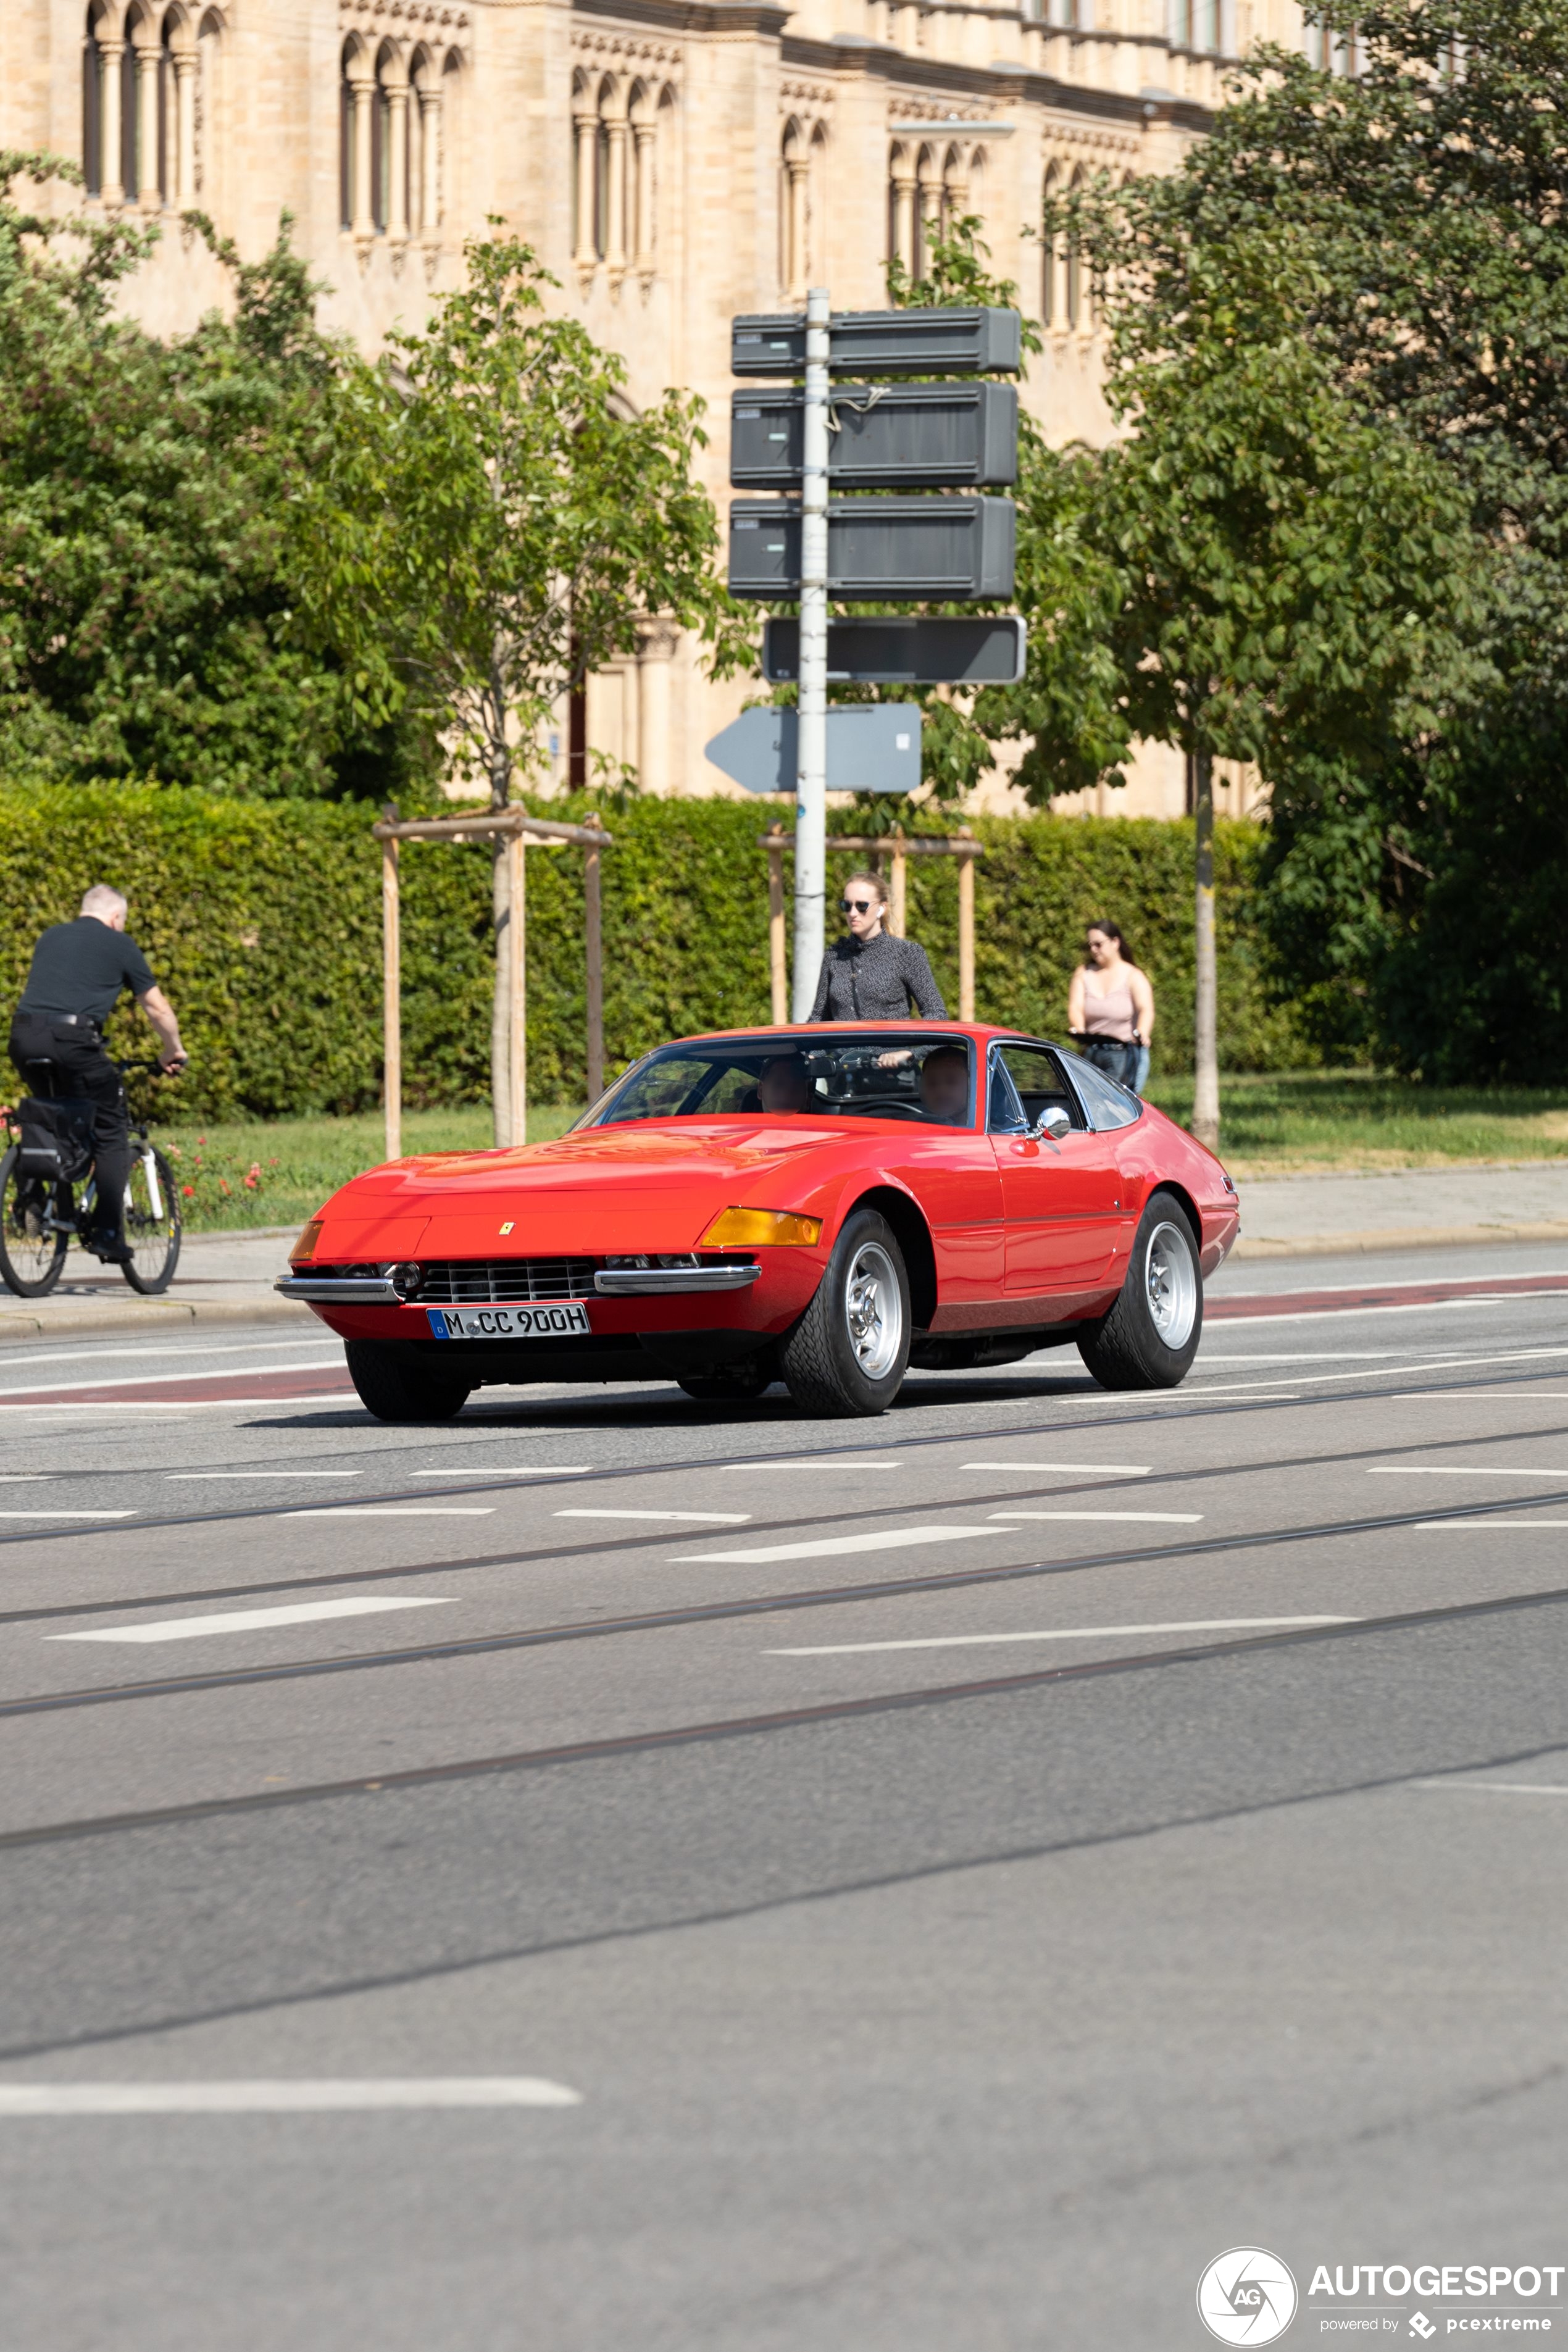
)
(504, 1281)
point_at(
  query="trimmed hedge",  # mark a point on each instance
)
(262, 921)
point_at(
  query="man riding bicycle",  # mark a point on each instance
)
(77, 972)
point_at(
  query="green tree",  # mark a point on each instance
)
(488, 523)
(144, 609)
(1370, 274)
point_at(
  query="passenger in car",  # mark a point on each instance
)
(945, 1085)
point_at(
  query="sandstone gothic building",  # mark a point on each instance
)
(674, 161)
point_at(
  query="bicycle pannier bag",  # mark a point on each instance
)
(57, 1139)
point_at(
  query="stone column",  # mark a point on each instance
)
(904, 210)
(185, 129)
(797, 166)
(362, 89)
(397, 162)
(643, 132)
(615, 200)
(430, 162)
(111, 189)
(585, 131)
(657, 641)
(149, 162)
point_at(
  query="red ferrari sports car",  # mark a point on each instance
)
(824, 1206)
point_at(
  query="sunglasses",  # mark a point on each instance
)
(858, 906)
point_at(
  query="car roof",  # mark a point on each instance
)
(981, 1031)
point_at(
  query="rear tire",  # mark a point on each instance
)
(31, 1253)
(1150, 1337)
(395, 1390)
(847, 1355)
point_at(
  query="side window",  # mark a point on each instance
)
(1004, 1111)
(1109, 1105)
(1040, 1083)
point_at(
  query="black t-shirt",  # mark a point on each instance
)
(82, 968)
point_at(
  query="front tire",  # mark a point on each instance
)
(153, 1223)
(395, 1388)
(847, 1355)
(1150, 1337)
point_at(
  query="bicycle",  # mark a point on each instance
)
(41, 1211)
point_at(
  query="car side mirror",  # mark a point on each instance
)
(1053, 1122)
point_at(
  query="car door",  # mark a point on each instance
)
(1061, 1202)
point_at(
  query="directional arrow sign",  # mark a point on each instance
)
(871, 747)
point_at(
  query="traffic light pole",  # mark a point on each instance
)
(811, 818)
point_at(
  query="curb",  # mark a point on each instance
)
(1396, 1237)
(67, 1319)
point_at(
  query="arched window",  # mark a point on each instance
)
(928, 207)
(902, 236)
(357, 139)
(92, 75)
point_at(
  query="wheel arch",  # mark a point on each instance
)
(913, 1235)
(1184, 1201)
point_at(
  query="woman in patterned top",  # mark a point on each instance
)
(871, 975)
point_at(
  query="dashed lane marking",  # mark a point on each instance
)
(256, 1621)
(391, 1511)
(1151, 1518)
(67, 1515)
(1457, 1470)
(823, 1546)
(1069, 1469)
(718, 1518)
(1427, 1526)
(18, 2100)
(260, 1474)
(1062, 1634)
(509, 1470)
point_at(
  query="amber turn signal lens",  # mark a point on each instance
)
(752, 1228)
(304, 1248)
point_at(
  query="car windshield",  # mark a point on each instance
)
(889, 1075)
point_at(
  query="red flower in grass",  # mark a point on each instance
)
(189, 1191)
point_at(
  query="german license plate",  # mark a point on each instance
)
(567, 1320)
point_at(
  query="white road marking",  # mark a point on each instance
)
(718, 1518)
(1457, 1470)
(823, 1546)
(1502, 1788)
(1481, 1396)
(67, 1515)
(154, 1380)
(1162, 1518)
(1429, 1526)
(1322, 1355)
(253, 1621)
(23, 1477)
(391, 1511)
(1065, 1633)
(261, 1473)
(509, 1470)
(1069, 1469)
(281, 2098)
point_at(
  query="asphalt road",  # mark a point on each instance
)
(618, 1873)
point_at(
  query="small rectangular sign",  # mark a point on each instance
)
(949, 550)
(956, 340)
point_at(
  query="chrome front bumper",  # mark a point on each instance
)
(645, 1281)
(342, 1290)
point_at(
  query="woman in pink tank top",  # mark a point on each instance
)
(1111, 1008)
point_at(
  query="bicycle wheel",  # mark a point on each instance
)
(31, 1251)
(152, 1221)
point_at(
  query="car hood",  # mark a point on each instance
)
(650, 1187)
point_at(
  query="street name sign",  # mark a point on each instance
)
(935, 436)
(955, 341)
(906, 649)
(872, 746)
(941, 549)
